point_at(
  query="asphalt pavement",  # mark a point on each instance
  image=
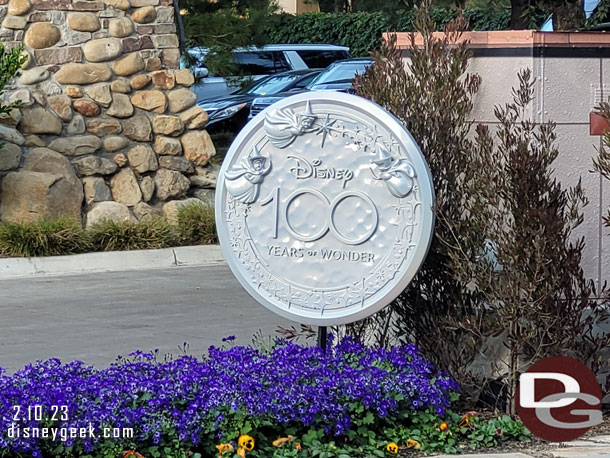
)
(97, 316)
(94, 317)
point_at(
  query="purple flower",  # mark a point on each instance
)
(198, 400)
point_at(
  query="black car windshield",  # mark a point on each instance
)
(340, 72)
(271, 85)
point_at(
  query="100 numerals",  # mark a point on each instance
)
(331, 208)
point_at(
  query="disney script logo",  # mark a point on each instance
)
(304, 169)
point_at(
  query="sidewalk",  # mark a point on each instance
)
(592, 447)
(112, 261)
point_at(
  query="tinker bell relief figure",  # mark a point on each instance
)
(243, 181)
(398, 174)
(283, 126)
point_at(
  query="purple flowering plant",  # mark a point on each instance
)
(189, 405)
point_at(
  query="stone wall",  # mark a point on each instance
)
(108, 125)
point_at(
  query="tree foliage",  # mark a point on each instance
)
(600, 15)
(362, 31)
(223, 25)
(10, 63)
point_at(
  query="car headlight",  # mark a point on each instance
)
(227, 112)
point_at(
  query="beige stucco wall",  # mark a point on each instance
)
(570, 80)
(298, 6)
(567, 90)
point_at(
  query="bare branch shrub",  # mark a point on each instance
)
(432, 96)
(504, 266)
(531, 276)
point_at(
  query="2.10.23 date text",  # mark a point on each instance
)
(39, 412)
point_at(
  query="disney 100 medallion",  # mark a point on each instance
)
(324, 208)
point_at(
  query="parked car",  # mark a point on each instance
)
(230, 113)
(258, 62)
(338, 77)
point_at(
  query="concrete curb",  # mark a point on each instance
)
(112, 261)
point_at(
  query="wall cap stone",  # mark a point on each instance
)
(514, 39)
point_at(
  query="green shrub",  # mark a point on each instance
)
(110, 235)
(196, 225)
(362, 31)
(47, 237)
(10, 63)
(62, 236)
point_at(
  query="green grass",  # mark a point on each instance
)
(110, 235)
(196, 225)
(46, 237)
(64, 236)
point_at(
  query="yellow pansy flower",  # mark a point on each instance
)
(246, 442)
(224, 448)
(412, 443)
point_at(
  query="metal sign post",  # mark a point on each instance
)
(324, 208)
(322, 337)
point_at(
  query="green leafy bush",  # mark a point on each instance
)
(196, 225)
(110, 235)
(362, 31)
(47, 237)
(10, 63)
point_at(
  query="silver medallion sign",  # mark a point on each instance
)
(324, 208)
